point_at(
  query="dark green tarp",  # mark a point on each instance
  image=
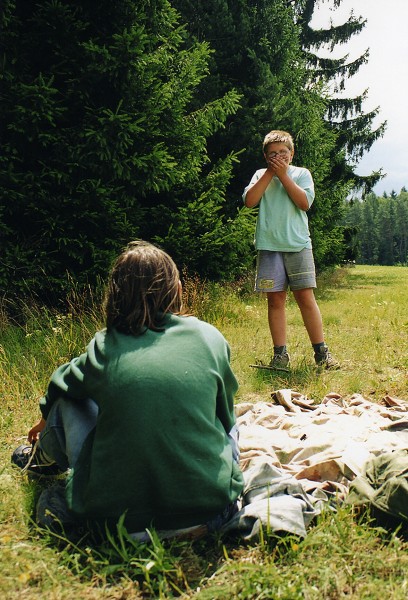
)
(383, 485)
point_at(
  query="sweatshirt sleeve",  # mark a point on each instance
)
(77, 378)
(227, 388)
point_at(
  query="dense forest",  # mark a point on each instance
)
(145, 119)
(378, 229)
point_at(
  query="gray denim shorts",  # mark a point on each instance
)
(275, 271)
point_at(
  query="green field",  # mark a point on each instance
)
(365, 313)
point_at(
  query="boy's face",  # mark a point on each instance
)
(278, 149)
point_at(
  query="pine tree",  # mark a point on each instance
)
(370, 232)
(353, 127)
(257, 51)
(380, 228)
(98, 130)
(386, 224)
(402, 228)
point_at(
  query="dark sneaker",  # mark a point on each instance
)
(325, 359)
(32, 459)
(52, 513)
(280, 362)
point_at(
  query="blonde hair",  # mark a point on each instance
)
(144, 285)
(276, 135)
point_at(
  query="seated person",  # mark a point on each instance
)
(141, 420)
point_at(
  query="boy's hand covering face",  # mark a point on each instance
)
(279, 165)
(278, 156)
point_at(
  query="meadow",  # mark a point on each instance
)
(345, 554)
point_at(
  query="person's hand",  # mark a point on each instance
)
(271, 167)
(36, 430)
(279, 165)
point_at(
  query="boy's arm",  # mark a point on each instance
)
(255, 193)
(293, 190)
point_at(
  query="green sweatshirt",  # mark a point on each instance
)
(160, 450)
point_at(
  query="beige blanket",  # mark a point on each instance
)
(323, 446)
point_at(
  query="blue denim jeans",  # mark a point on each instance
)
(68, 425)
(223, 518)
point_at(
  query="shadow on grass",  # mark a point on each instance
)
(155, 569)
(296, 378)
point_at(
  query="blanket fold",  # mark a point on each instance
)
(299, 457)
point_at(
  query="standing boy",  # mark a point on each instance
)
(285, 258)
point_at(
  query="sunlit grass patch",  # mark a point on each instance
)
(364, 312)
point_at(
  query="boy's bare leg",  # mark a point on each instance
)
(311, 315)
(277, 317)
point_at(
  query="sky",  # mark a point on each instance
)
(385, 76)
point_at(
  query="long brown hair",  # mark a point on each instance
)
(144, 285)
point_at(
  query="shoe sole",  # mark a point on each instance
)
(269, 368)
(33, 471)
(328, 367)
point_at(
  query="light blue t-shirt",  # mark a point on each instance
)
(281, 225)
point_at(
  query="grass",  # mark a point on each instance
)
(345, 555)
(365, 315)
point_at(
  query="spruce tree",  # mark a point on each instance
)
(257, 50)
(387, 243)
(402, 227)
(99, 131)
(370, 232)
(363, 216)
(354, 128)
(380, 227)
